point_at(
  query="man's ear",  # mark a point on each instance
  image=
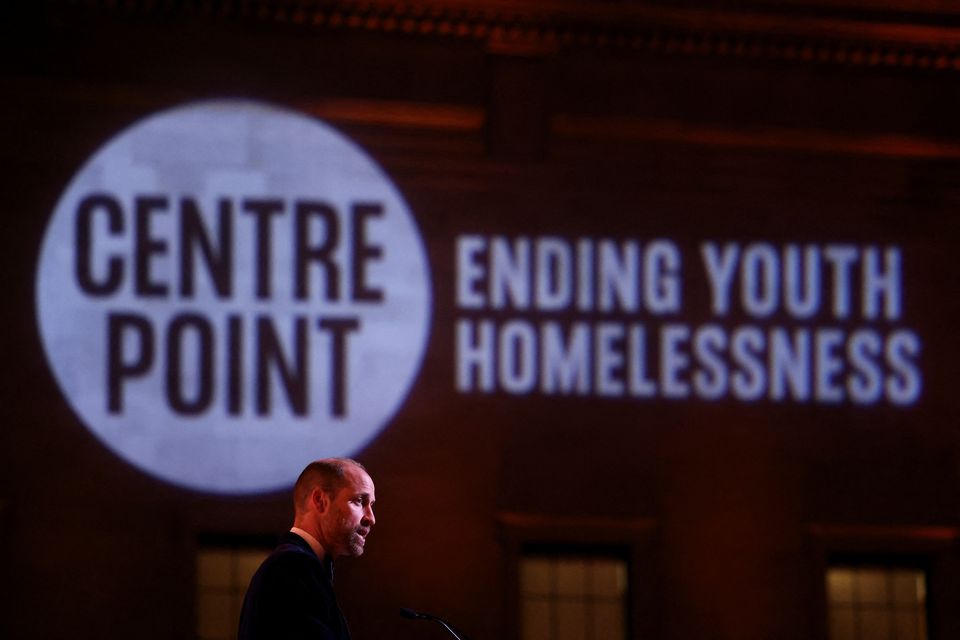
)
(319, 499)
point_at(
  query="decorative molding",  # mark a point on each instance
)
(575, 527)
(780, 138)
(447, 119)
(544, 27)
(878, 534)
(400, 115)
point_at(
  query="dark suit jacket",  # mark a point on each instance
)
(291, 597)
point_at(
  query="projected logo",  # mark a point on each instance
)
(228, 290)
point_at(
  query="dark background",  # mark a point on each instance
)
(804, 121)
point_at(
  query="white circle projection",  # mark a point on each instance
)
(228, 290)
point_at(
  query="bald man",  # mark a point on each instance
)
(291, 594)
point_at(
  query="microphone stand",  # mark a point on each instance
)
(410, 614)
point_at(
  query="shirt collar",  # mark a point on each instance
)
(313, 542)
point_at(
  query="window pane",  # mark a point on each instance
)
(908, 587)
(842, 626)
(215, 616)
(237, 608)
(573, 597)
(571, 577)
(214, 568)
(571, 620)
(536, 620)
(840, 585)
(908, 625)
(876, 624)
(872, 586)
(535, 576)
(609, 578)
(608, 621)
(223, 574)
(247, 564)
(876, 603)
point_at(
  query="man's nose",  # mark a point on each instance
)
(369, 517)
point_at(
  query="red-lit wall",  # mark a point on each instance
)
(569, 119)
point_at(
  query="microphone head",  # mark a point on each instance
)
(410, 614)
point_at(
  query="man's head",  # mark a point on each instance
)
(333, 500)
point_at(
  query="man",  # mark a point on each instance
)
(291, 594)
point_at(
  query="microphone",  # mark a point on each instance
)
(410, 614)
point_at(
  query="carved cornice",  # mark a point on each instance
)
(546, 27)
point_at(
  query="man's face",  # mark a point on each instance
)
(349, 517)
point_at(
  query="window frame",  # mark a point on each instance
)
(556, 554)
(633, 539)
(932, 549)
(223, 542)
